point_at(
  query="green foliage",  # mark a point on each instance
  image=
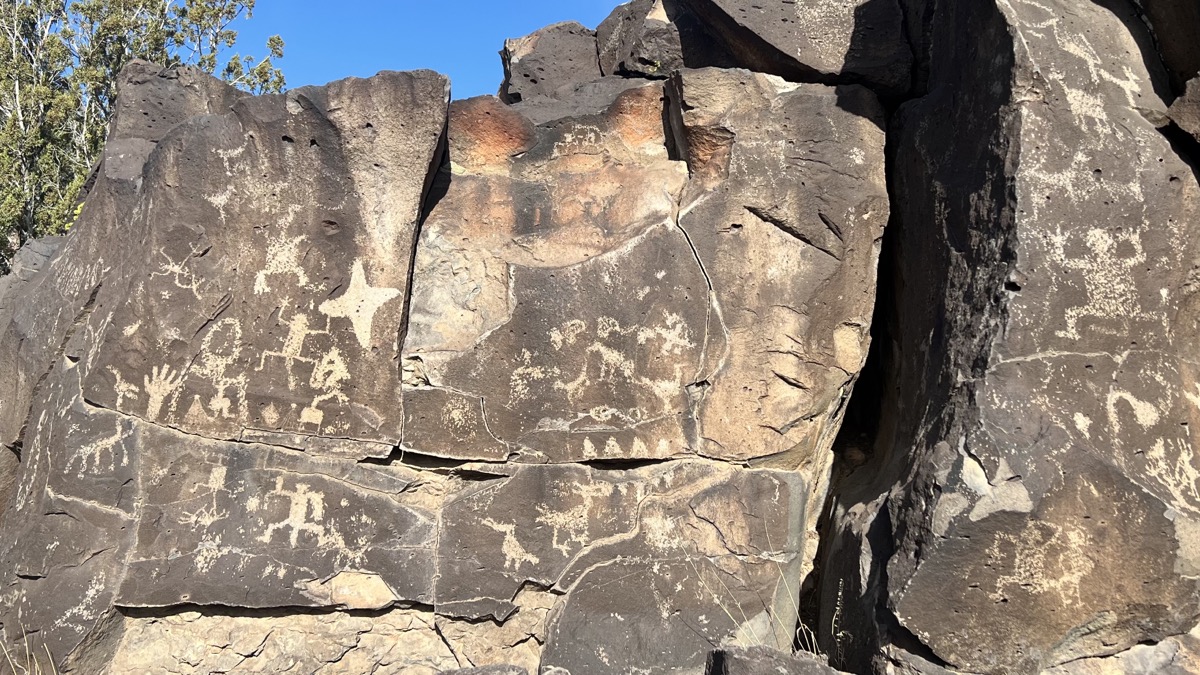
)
(59, 61)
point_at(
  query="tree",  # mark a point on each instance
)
(59, 61)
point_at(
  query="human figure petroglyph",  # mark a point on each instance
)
(292, 349)
(302, 505)
(216, 360)
(328, 375)
(181, 277)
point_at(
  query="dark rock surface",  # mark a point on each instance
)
(554, 57)
(1030, 499)
(1185, 111)
(764, 661)
(591, 376)
(653, 38)
(1176, 28)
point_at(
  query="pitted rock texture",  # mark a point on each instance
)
(591, 376)
(653, 38)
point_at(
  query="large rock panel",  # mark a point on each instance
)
(154, 101)
(273, 310)
(130, 489)
(1039, 424)
(785, 213)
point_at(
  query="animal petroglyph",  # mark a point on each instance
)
(569, 527)
(102, 454)
(514, 553)
(122, 388)
(607, 358)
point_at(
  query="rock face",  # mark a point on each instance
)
(552, 58)
(807, 40)
(1032, 500)
(1176, 29)
(360, 379)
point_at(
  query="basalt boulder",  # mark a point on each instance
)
(378, 380)
(725, 330)
(1030, 498)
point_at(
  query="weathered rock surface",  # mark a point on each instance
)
(544, 62)
(1038, 417)
(1185, 111)
(1178, 655)
(358, 379)
(653, 38)
(399, 641)
(377, 383)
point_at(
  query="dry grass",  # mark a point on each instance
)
(31, 662)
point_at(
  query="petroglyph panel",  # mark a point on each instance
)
(292, 529)
(714, 535)
(557, 315)
(621, 362)
(1054, 425)
(1054, 568)
(397, 642)
(275, 404)
(274, 306)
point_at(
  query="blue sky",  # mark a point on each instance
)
(327, 41)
